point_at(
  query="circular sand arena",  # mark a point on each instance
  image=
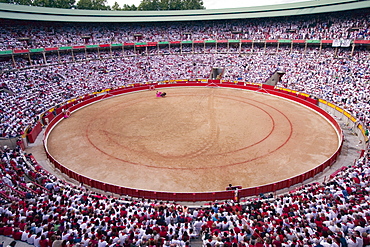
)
(193, 140)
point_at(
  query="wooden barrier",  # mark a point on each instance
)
(31, 137)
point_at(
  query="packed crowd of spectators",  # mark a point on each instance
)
(343, 25)
(42, 210)
(338, 78)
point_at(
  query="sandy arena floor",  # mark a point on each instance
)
(194, 140)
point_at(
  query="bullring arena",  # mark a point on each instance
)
(91, 157)
(193, 140)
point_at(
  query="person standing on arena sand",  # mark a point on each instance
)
(66, 113)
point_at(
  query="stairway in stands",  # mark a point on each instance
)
(196, 242)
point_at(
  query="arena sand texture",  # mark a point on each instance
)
(193, 140)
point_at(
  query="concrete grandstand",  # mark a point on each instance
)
(50, 62)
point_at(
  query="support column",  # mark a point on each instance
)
(29, 58)
(58, 56)
(43, 54)
(291, 47)
(353, 49)
(73, 56)
(13, 60)
(305, 48)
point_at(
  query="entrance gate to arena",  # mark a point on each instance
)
(217, 73)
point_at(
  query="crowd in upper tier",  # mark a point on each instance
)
(343, 25)
(43, 210)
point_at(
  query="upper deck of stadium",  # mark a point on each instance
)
(31, 13)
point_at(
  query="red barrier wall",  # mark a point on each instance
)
(204, 196)
(47, 117)
(31, 137)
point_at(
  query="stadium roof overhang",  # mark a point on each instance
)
(21, 12)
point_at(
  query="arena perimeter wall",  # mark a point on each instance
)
(53, 118)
